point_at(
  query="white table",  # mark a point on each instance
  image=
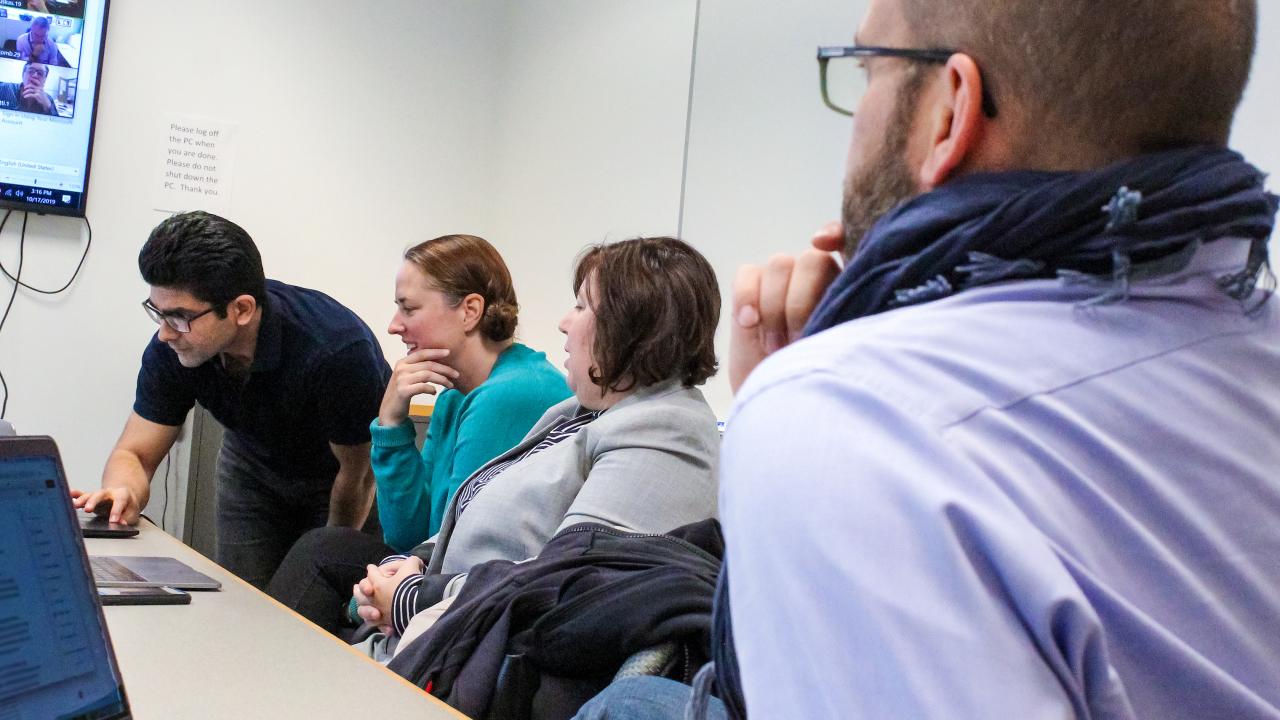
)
(237, 653)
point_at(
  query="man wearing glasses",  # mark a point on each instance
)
(28, 95)
(293, 377)
(36, 45)
(1021, 460)
(1032, 434)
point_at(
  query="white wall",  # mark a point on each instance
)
(1257, 128)
(593, 107)
(766, 157)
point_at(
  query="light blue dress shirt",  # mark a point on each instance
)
(1007, 504)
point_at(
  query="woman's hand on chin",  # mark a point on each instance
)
(417, 373)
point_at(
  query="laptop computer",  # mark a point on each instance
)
(126, 571)
(93, 526)
(122, 571)
(56, 658)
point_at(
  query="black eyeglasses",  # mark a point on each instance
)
(176, 320)
(844, 83)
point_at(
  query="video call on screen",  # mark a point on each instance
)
(53, 41)
(49, 52)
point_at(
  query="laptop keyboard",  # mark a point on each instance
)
(107, 570)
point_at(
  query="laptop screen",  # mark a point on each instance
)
(55, 655)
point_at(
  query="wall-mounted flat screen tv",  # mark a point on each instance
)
(50, 65)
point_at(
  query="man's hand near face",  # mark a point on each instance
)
(35, 93)
(771, 304)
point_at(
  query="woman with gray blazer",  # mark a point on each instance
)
(635, 448)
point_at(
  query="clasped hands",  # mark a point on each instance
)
(375, 592)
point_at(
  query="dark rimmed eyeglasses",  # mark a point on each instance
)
(844, 82)
(181, 322)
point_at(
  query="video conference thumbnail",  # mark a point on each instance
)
(66, 8)
(39, 58)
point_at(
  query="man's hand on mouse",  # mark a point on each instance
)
(116, 504)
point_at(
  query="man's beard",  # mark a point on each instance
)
(885, 180)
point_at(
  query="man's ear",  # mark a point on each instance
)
(472, 307)
(243, 307)
(955, 121)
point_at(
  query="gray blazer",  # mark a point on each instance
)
(647, 465)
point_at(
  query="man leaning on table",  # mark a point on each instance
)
(293, 376)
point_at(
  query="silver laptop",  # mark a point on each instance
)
(138, 571)
(56, 659)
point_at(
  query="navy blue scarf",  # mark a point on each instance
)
(984, 228)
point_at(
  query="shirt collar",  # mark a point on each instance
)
(266, 351)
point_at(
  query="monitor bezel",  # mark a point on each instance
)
(82, 209)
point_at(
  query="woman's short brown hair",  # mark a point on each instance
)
(459, 265)
(656, 303)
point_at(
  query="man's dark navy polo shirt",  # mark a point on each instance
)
(317, 377)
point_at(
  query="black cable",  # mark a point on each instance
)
(17, 281)
(88, 243)
(164, 509)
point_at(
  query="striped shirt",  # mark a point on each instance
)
(565, 429)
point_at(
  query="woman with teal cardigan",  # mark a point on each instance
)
(467, 430)
(456, 312)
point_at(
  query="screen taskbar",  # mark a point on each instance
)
(38, 197)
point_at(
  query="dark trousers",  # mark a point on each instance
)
(316, 576)
(261, 513)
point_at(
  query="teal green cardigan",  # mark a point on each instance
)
(465, 432)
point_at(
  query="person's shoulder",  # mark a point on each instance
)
(295, 298)
(993, 346)
(520, 360)
(315, 315)
(666, 408)
(565, 408)
(939, 361)
(522, 373)
(446, 404)
(670, 396)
